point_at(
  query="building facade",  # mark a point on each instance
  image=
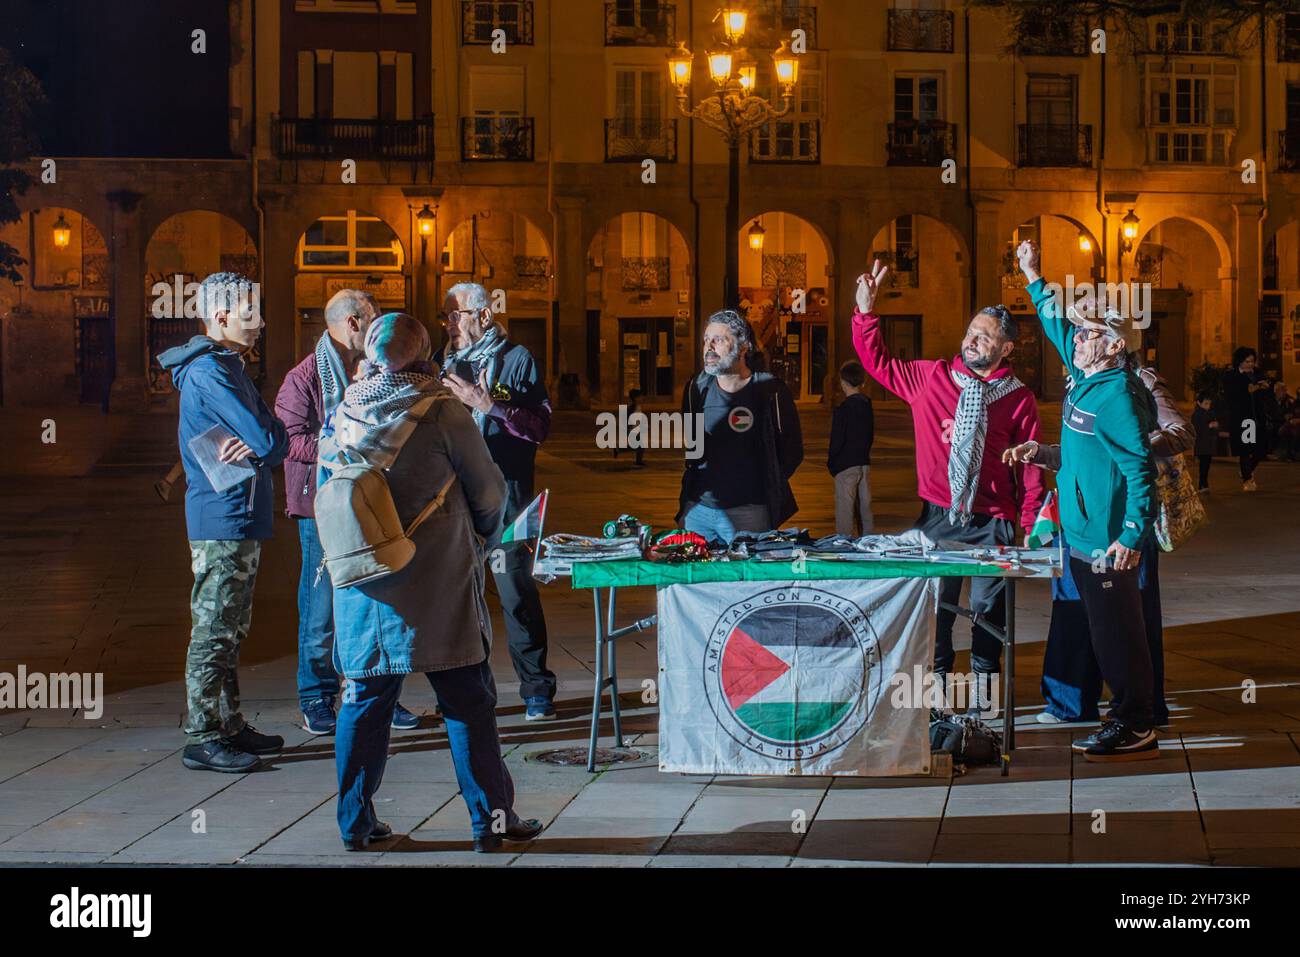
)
(405, 145)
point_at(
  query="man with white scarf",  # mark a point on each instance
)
(963, 410)
(503, 387)
(308, 398)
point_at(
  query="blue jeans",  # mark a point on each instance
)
(722, 524)
(316, 675)
(467, 697)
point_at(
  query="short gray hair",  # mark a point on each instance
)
(472, 294)
(346, 303)
(225, 292)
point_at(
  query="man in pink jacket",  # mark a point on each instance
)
(965, 411)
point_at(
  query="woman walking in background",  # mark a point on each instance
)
(1241, 391)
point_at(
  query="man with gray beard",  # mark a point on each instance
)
(752, 438)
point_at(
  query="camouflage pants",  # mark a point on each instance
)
(221, 606)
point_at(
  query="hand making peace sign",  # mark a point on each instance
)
(869, 286)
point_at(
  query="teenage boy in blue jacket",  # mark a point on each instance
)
(226, 528)
(1107, 492)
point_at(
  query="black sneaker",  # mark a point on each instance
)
(219, 755)
(318, 717)
(1116, 741)
(254, 742)
(1083, 744)
(380, 832)
(517, 833)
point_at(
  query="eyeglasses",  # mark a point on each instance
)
(456, 314)
(1087, 335)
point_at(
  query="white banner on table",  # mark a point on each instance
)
(794, 677)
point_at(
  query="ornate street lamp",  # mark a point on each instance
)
(425, 221)
(1085, 244)
(62, 232)
(733, 110)
(756, 236)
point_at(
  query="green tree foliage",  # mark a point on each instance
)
(20, 98)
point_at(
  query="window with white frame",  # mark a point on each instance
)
(350, 241)
(796, 136)
(1191, 110)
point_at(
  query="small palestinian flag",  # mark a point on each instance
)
(1048, 522)
(528, 524)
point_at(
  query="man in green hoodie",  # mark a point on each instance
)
(1106, 488)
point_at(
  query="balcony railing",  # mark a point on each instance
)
(641, 25)
(631, 140)
(787, 141)
(1288, 150)
(925, 31)
(496, 138)
(479, 19)
(646, 273)
(1055, 144)
(770, 23)
(323, 137)
(1054, 36)
(921, 142)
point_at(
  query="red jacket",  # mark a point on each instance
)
(301, 407)
(1014, 493)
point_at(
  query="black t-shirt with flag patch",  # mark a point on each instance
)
(731, 472)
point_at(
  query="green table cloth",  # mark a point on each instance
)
(632, 572)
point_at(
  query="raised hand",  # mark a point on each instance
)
(869, 286)
(1027, 253)
(1025, 452)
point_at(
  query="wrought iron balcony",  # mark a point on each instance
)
(1288, 150)
(479, 19)
(1055, 144)
(631, 140)
(646, 273)
(769, 23)
(786, 141)
(640, 24)
(496, 138)
(925, 31)
(921, 142)
(324, 137)
(1054, 36)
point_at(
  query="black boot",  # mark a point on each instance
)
(254, 742)
(516, 833)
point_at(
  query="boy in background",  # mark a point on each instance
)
(853, 429)
(1207, 437)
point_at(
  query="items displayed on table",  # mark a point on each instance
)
(679, 545)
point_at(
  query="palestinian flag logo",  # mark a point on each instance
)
(791, 672)
(740, 419)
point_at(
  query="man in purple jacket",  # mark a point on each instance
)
(308, 396)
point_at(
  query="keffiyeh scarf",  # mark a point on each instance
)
(377, 416)
(966, 451)
(333, 381)
(484, 353)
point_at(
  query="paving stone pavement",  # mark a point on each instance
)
(94, 576)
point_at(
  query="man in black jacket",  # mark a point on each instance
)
(853, 429)
(502, 386)
(752, 439)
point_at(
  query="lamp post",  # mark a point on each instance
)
(733, 109)
(426, 224)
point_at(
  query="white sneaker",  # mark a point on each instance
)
(1248, 486)
(1046, 717)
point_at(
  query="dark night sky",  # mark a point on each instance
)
(120, 76)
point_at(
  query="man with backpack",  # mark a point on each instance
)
(502, 385)
(308, 398)
(224, 427)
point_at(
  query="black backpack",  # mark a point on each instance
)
(967, 739)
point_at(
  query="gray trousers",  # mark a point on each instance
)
(853, 501)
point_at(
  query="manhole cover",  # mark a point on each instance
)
(571, 757)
